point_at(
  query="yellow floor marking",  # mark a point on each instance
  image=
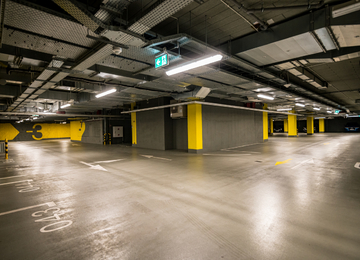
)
(29, 131)
(286, 161)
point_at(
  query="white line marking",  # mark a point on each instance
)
(88, 164)
(151, 156)
(110, 161)
(94, 167)
(357, 165)
(12, 177)
(14, 182)
(49, 204)
(309, 161)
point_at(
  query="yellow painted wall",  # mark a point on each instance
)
(310, 125)
(321, 125)
(292, 124)
(133, 125)
(7, 131)
(195, 134)
(50, 131)
(77, 129)
(265, 124)
(29, 132)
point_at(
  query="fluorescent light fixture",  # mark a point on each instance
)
(317, 108)
(284, 109)
(107, 75)
(346, 8)
(35, 118)
(299, 105)
(49, 113)
(106, 93)
(325, 38)
(329, 111)
(67, 105)
(354, 116)
(319, 117)
(195, 64)
(265, 96)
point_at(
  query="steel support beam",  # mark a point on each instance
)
(119, 72)
(299, 25)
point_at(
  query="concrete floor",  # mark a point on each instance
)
(63, 200)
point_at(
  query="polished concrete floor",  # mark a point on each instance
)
(289, 198)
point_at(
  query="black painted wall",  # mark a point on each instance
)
(126, 124)
(338, 123)
(227, 127)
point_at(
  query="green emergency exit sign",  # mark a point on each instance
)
(162, 60)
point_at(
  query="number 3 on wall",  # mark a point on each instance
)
(37, 129)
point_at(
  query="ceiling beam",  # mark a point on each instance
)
(299, 25)
(123, 73)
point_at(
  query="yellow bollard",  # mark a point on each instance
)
(6, 149)
(109, 138)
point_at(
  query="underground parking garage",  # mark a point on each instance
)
(182, 129)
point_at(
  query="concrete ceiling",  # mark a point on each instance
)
(290, 60)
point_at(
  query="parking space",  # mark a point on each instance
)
(285, 199)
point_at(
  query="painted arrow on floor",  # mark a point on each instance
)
(94, 167)
(286, 161)
(357, 165)
(151, 156)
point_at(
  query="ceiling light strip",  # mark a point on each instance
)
(195, 64)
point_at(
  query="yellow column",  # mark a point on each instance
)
(321, 125)
(265, 125)
(310, 125)
(133, 125)
(271, 126)
(285, 125)
(195, 134)
(292, 125)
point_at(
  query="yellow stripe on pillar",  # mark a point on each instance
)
(310, 125)
(285, 125)
(133, 125)
(265, 124)
(292, 125)
(271, 126)
(195, 134)
(321, 125)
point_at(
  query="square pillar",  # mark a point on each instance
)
(310, 125)
(271, 126)
(321, 125)
(265, 125)
(133, 125)
(195, 133)
(285, 125)
(292, 125)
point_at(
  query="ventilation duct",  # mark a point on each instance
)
(197, 93)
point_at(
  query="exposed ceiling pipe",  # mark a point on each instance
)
(289, 7)
(246, 20)
(241, 7)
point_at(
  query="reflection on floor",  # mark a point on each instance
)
(289, 198)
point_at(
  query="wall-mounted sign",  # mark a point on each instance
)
(162, 60)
